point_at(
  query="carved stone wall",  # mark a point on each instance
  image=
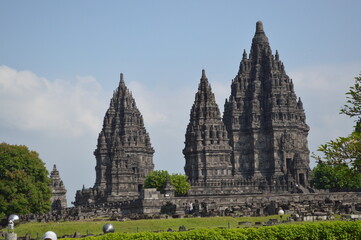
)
(153, 205)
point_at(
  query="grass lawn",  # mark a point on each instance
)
(95, 227)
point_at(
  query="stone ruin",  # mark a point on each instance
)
(260, 145)
(58, 191)
(124, 155)
(154, 205)
(251, 161)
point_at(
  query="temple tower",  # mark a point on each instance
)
(265, 120)
(124, 155)
(207, 150)
(58, 191)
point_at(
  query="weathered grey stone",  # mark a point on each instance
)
(266, 122)
(124, 155)
(252, 163)
(267, 146)
(207, 151)
(58, 191)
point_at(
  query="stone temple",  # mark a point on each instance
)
(58, 191)
(207, 150)
(261, 144)
(258, 145)
(124, 155)
(251, 161)
(265, 120)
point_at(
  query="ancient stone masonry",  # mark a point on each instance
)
(266, 121)
(58, 197)
(207, 150)
(124, 155)
(153, 204)
(252, 162)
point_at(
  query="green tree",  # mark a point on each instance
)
(180, 184)
(335, 177)
(158, 179)
(24, 181)
(344, 153)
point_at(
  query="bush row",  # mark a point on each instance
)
(305, 231)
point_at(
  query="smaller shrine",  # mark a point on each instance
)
(58, 191)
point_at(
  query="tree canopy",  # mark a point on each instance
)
(24, 181)
(343, 151)
(342, 156)
(158, 179)
(335, 178)
(180, 184)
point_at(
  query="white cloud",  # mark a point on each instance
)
(59, 119)
(32, 103)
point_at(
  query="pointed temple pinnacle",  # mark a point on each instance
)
(244, 54)
(204, 74)
(259, 27)
(121, 82)
(259, 39)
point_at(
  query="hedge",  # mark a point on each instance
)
(320, 230)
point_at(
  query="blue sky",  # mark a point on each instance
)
(60, 62)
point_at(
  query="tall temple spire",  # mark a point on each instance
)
(124, 153)
(264, 118)
(207, 151)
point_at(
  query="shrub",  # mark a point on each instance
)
(305, 231)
